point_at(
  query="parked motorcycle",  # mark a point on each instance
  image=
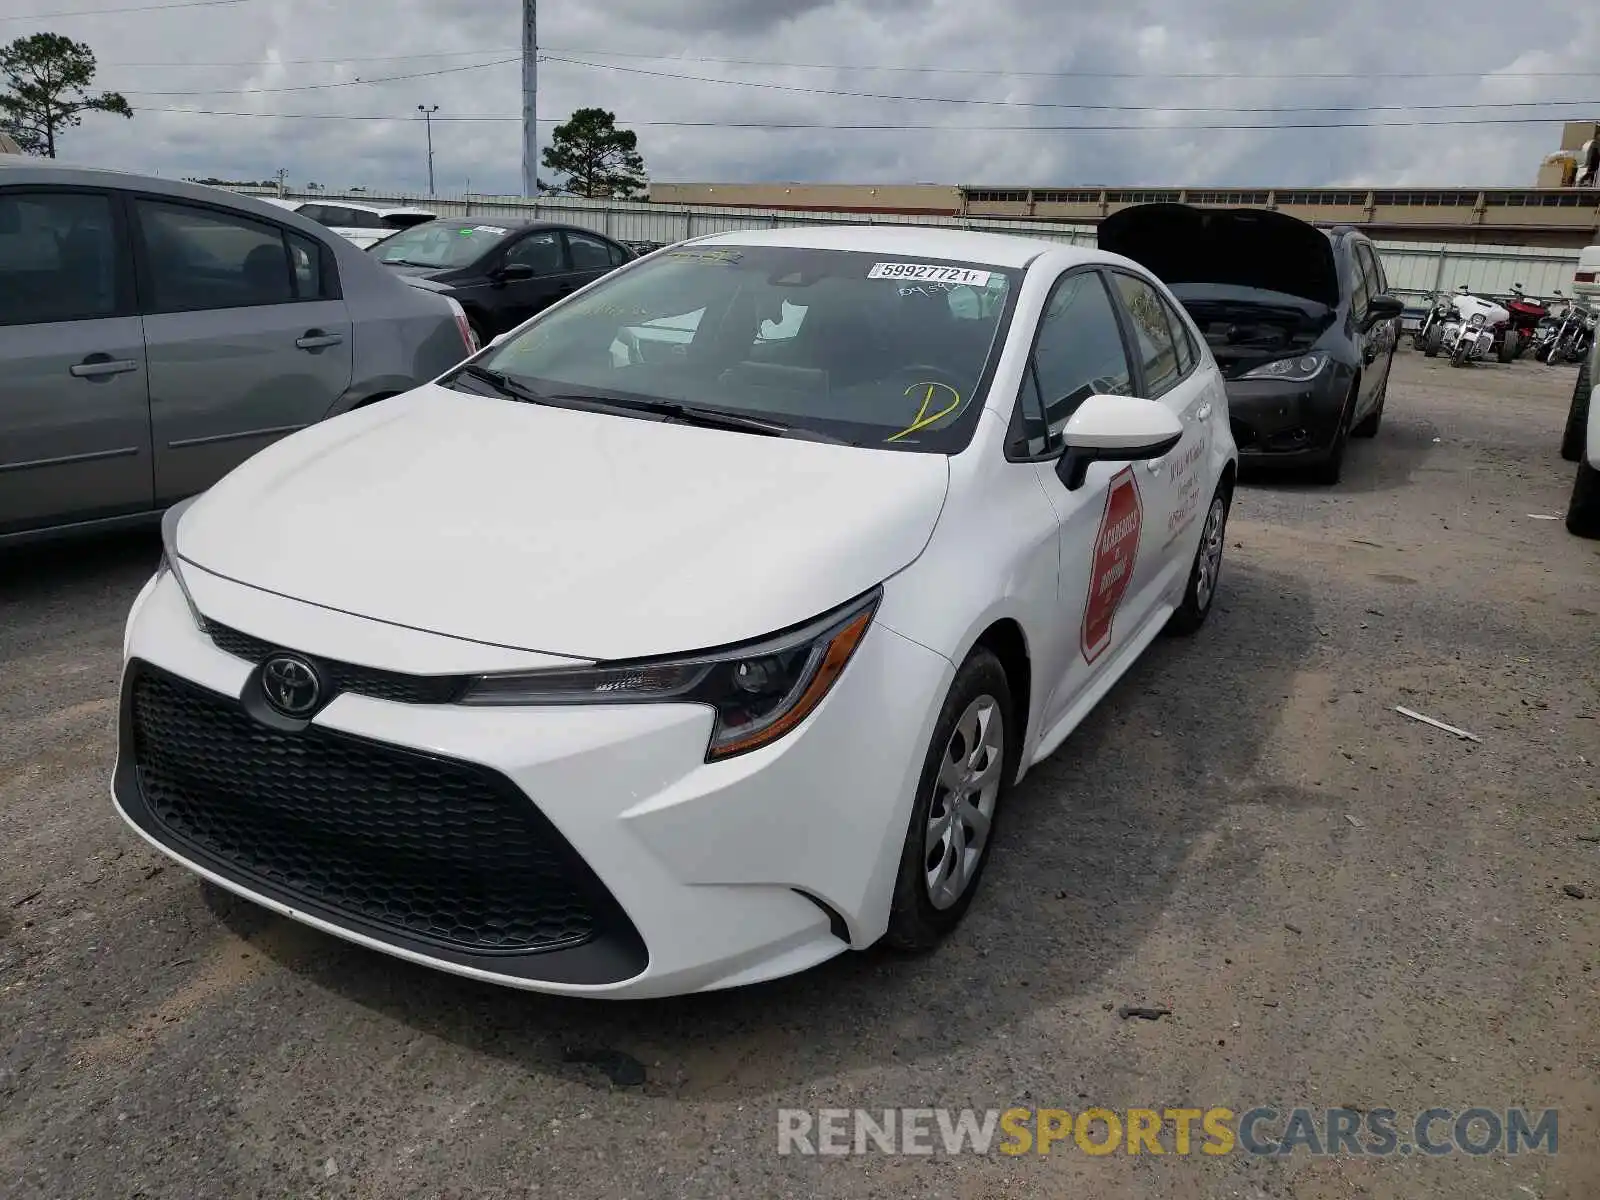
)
(1567, 338)
(1526, 314)
(1461, 325)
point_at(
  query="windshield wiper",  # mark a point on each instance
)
(709, 418)
(502, 383)
(407, 262)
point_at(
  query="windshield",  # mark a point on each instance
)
(870, 348)
(439, 243)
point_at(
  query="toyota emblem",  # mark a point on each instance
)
(291, 685)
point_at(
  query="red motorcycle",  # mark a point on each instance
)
(1518, 333)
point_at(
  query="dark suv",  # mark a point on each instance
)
(1299, 319)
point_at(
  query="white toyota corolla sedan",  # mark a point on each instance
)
(695, 631)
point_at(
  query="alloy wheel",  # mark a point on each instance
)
(1208, 566)
(964, 797)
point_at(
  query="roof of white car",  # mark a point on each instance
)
(371, 208)
(925, 241)
(381, 210)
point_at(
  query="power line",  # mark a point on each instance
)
(1053, 104)
(1077, 74)
(317, 87)
(1002, 72)
(133, 8)
(347, 58)
(1037, 104)
(899, 126)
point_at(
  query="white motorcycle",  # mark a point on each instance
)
(1461, 325)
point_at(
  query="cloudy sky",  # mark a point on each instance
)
(1166, 67)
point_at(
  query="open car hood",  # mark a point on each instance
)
(1241, 247)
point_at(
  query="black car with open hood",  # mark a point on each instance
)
(1299, 319)
(500, 272)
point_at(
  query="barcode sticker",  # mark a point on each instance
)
(928, 272)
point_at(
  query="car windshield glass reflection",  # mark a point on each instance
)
(871, 348)
(439, 244)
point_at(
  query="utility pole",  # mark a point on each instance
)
(427, 117)
(530, 93)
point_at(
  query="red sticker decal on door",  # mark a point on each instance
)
(1115, 549)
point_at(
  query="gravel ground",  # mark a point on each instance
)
(1340, 906)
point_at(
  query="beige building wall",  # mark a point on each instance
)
(1531, 216)
(834, 197)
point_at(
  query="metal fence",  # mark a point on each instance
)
(1415, 269)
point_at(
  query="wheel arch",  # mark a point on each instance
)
(1004, 637)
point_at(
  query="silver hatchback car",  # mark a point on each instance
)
(155, 334)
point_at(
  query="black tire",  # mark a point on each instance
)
(1331, 469)
(915, 922)
(1196, 605)
(1583, 510)
(1431, 343)
(1577, 417)
(1508, 346)
(1458, 352)
(1368, 426)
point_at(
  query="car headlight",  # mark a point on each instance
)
(169, 555)
(1301, 369)
(759, 691)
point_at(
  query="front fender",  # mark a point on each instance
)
(368, 390)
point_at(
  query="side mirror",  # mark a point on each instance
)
(1383, 308)
(1115, 429)
(513, 273)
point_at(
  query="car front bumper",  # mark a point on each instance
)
(585, 850)
(1286, 422)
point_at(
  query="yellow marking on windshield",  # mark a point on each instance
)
(923, 418)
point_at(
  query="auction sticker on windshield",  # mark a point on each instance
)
(928, 271)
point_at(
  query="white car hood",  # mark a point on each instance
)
(560, 531)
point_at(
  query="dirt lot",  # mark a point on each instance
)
(1340, 906)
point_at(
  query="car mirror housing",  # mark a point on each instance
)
(513, 272)
(1383, 308)
(1115, 429)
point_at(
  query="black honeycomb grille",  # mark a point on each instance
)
(348, 677)
(442, 851)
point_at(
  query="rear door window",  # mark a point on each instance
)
(1187, 353)
(197, 258)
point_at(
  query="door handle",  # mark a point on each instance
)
(1203, 412)
(98, 366)
(315, 339)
